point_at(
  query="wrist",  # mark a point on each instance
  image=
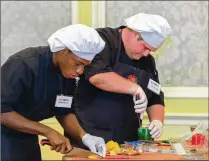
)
(161, 122)
(133, 89)
(82, 134)
(47, 130)
(83, 139)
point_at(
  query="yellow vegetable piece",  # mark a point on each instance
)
(112, 153)
(112, 145)
(93, 157)
(117, 149)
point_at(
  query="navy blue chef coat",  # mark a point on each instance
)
(30, 83)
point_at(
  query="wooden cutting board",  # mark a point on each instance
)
(142, 156)
(81, 153)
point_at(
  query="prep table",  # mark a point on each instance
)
(141, 156)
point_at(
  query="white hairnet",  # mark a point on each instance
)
(82, 40)
(154, 29)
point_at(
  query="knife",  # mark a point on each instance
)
(139, 116)
(75, 152)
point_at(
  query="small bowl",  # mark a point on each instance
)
(139, 148)
(127, 147)
(147, 147)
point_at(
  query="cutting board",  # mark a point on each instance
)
(74, 152)
(142, 156)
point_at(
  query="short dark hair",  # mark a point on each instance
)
(139, 38)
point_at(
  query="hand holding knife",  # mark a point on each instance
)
(61, 148)
(74, 152)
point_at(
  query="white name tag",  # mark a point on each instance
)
(154, 86)
(63, 101)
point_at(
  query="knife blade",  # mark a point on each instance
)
(75, 152)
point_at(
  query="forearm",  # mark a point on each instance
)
(71, 126)
(156, 112)
(17, 122)
(113, 82)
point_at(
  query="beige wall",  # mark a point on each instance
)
(29, 23)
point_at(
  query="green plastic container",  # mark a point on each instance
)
(144, 134)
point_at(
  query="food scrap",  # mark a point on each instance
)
(114, 149)
(93, 156)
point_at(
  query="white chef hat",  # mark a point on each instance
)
(82, 40)
(154, 29)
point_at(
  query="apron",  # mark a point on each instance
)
(19, 149)
(111, 115)
(19, 146)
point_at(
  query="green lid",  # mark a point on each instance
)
(144, 134)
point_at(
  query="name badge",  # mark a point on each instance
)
(63, 101)
(154, 86)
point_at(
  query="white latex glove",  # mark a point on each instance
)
(141, 103)
(95, 144)
(156, 128)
